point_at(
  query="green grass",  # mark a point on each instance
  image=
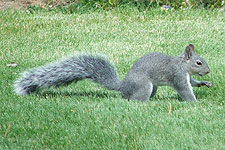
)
(87, 116)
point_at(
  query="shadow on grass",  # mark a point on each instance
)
(94, 94)
(105, 94)
(99, 94)
(173, 97)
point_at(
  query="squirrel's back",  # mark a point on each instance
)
(156, 66)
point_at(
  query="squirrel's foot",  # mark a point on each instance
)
(205, 83)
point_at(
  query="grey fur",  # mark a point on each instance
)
(64, 72)
(141, 82)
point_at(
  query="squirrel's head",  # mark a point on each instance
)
(194, 64)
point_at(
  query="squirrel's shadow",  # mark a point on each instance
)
(100, 94)
(97, 94)
(163, 98)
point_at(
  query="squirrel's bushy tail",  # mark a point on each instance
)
(95, 68)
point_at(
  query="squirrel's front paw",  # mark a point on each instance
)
(206, 83)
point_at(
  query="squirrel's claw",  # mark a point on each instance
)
(208, 84)
(205, 83)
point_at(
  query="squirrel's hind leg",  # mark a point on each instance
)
(142, 92)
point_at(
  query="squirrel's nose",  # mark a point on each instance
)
(208, 71)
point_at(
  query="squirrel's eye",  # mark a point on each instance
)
(198, 62)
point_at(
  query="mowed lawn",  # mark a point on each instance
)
(85, 115)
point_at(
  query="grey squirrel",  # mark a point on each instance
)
(141, 82)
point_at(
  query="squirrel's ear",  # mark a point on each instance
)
(191, 46)
(188, 51)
